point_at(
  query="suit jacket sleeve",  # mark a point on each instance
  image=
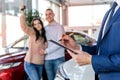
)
(106, 64)
(108, 60)
(89, 49)
(101, 63)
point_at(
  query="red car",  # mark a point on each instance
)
(12, 57)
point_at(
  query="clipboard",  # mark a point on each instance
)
(63, 46)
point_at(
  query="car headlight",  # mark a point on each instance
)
(9, 65)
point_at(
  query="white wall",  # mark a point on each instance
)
(13, 30)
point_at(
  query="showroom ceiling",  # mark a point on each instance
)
(81, 2)
(85, 2)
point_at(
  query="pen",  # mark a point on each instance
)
(68, 35)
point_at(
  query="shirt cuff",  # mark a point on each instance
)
(80, 47)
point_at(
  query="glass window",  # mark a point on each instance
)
(80, 38)
(12, 19)
(22, 43)
(87, 15)
(0, 6)
(12, 6)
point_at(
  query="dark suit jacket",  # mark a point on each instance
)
(106, 54)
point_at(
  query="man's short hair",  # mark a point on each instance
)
(49, 9)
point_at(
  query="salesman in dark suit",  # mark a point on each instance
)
(105, 56)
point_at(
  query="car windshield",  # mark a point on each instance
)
(16, 46)
(81, 38)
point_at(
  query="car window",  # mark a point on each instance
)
(80, 38)
(21, 43)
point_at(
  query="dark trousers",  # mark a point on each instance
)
(44, 75)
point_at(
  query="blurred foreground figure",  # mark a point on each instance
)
(105, 56)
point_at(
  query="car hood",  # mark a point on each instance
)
(11, 55)
(7, 51)
(11, 51)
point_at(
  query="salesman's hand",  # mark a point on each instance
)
(82, 58)
(69, 42)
